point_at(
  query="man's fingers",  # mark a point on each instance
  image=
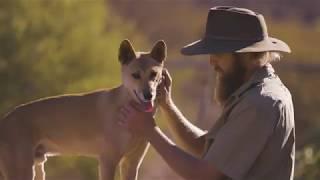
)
(122, 116)
(122, 119)
(123, 124)
(125, 109)
(135, 106)
(167, 77)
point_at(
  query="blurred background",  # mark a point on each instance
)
(51, 47)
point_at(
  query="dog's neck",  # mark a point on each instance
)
(124, 95)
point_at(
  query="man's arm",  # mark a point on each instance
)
(181, 162)
(188, 135)
(143, 124)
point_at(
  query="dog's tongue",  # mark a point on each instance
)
(148, 106)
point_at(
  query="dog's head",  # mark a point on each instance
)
(142, 71)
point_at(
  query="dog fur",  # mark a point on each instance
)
(83, 124)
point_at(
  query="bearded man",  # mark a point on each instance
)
(254, 137)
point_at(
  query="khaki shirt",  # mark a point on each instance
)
(254, 138)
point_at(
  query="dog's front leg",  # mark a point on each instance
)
(131, 161)
(39, 171)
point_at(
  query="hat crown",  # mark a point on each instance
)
(236, 30)
(231, 23)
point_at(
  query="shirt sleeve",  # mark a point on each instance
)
(238, 143)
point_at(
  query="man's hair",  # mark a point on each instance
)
(261, 57)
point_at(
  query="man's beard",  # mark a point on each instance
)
(227, 83)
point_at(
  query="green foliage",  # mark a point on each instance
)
(52, 47)
(176, 22)
(302, 38)
(308, 163)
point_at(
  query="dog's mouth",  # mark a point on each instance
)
(147, 105)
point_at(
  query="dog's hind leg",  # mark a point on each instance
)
(39, 172)
(39, 160)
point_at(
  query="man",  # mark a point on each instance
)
(254, 138)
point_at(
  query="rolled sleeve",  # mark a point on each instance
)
(242, 138)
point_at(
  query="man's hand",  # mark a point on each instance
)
(164, 89)
(135, 120)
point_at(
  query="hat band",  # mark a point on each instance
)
(234, 38)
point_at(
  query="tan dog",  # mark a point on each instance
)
(84, 124)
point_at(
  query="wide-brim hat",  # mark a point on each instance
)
(231, 29)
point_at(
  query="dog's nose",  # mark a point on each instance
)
(147, 95)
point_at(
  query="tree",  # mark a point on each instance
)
(52, 47)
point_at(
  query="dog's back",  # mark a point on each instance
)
(65, 124)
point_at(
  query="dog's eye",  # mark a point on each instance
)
(136, 75)
(153, 75)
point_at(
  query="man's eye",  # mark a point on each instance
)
(136, 75)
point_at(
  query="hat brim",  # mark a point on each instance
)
(211, 46)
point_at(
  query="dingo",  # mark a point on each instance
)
(84, 124)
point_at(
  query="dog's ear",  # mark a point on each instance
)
(126, 52)
(159, 51)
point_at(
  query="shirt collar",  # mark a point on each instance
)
(265, 71)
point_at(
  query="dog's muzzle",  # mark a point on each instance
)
(146, 104)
